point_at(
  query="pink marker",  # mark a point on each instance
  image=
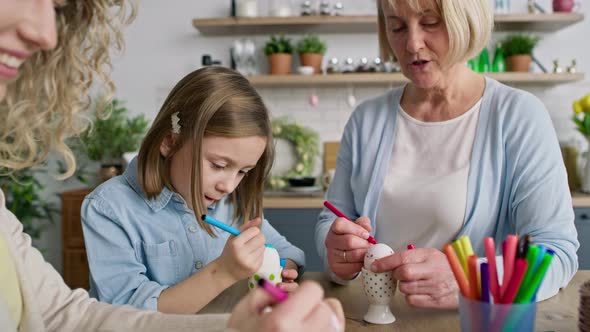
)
(342, 215)
(278, 294)
(411, 246)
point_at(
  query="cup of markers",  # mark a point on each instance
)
(487, 303)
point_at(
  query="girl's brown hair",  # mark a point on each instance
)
(42, 107)
(212, 101)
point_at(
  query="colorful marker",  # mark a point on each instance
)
(457, 270)
(278, 294)
(342, 215)
(219, 224)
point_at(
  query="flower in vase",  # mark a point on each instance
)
(581, 118)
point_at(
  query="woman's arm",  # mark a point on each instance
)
(540, 198)
(53, 306)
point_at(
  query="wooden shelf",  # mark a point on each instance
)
(361, 24)
(536, 22)
(580, 200)
(290, 202)
(384, 79)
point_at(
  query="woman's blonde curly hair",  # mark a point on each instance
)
(42, 107)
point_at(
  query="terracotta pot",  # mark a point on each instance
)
(520, 62)
(109, 171)
(280, 63)
(313, 60)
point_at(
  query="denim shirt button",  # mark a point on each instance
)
(198, 265)
(192, 229)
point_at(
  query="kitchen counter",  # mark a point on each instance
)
(290, 200)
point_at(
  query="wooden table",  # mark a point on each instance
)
(560, 313)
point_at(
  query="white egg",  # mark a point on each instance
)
(376, 251)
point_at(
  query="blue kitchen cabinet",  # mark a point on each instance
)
(298, 225)
(583, 227)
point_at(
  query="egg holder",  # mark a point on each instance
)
(379, 288)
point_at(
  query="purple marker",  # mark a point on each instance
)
(484, 271)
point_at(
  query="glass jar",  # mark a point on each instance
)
(246, 8)
(280, 8)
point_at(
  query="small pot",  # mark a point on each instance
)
(312, 60)
(108, 171)
(301, 181)
(280, 63)
(520, 62)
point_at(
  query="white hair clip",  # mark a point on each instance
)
(175, 125)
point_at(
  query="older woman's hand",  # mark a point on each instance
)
(306, 309)
(424, 275)
(346, 245)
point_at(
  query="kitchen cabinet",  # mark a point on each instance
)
(298, 226)
(583, 227)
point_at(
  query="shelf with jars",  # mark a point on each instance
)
(362, 24)
(385, 79)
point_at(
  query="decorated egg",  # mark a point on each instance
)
(270, 269)
(375, 252)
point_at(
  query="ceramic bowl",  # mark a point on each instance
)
(301, 181)
(305, 70)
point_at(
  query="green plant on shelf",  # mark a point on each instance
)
(311, 44)
(278, 44)
(519, 44)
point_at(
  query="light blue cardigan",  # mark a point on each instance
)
(517, 180)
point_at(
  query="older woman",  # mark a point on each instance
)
(50, 53)
(451, 153)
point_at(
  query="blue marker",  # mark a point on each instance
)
(232, 231)
(221, 225)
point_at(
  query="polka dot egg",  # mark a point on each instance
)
(375, 252)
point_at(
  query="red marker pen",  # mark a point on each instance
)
(341, 215)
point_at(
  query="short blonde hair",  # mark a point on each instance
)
(42, 106)
(469, 25)
(212, 101)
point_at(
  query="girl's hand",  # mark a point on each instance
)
(289, 275)
(304, 310)
(346, 245)
(424, 275)
(242, 255)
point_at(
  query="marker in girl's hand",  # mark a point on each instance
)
(220, 225)
(278, 294)
(342, 215)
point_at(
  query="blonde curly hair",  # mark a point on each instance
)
(42, 107)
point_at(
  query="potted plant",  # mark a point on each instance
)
(23, 199)
(279, 51)
(311, 52)
(517, 50)
(109, 138)
(581, 119)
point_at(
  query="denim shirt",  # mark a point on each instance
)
(137, 247)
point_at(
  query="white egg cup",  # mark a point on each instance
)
(379, 288)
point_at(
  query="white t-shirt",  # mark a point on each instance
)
(425, 191)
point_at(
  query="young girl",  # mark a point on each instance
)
(208, 151)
